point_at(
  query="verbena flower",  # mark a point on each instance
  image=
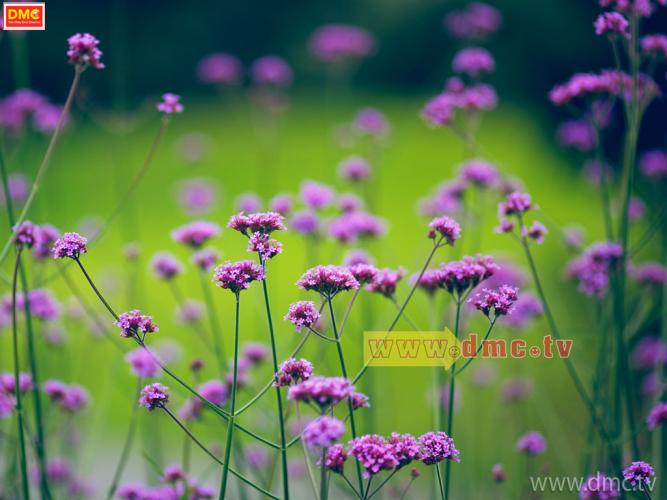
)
(599, 486)
(436, 447)
(173, 473)
(536, 232)
(498, 473)
(237, 276)
(475, 22)
(363, 273)
(293, 371)
(205, 259)
(305, 222)
(591, 269)
(25, 234)
(335, 458)
(649, 273)
(316, 195)
(248, 202)
(281, 204)
(259, 222)
(473, 61)
(195, 234)
(353, 225)
(7, 405)
(405, 448)
(495, 303)
(333, 43)
(358, 256)
(328, 280)
(458, 277)
(197, 196)
(143, 363)
(323, 391)
(70, 398)
(323, 432)
(446, 228)
(302, 314)
(45, 236)
(42, 304)
(576, 134)
(359, 400)
(255, 352)
(654, 45)
(525, 309)
(8, 383)
(349, 202)
(154, 396)
(70, 245)
(133, 323)
(515, 203)
(166, 266)
(171, 103)
(479, 173)
(638, 473)
(271, 70)
(214, 391)
(220, 68)
(371, 122)
(653, 163)
(354, 169)
(657, 416)
(608, 82)
(374, 454)
(532, 443)
(83, 51)
(429, 281)
(17, 184)
(264, 245)
(612, 23)
(386, 281)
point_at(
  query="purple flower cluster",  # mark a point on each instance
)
(535, 232)
(591, 269)
(323, 432)
(70, 245)
(352, 225)
(374, 453)
(143, 363)
(446, 228)
(608, 82)
(386, 281)
(316, 195)
(653, 163)
(638, 473)
(612, 23)
(25, 234)
(265, 246)
(458, 277)
(259, 222)
(333, 43)
(328, 280)
(303, 314)
(576, 134)
(293, 371)
(649, 273)
(335, 458)
(8, 383)
(354, 169)
(19, 109)
(83, 51)
(282, 204)
(475, 22)
(214, 391)
(429, 281)
(599, 486)
(195, 234)
(324, 391)
(655, 45)
(473, 61)
(70, 398)
(154, 396)
(237, 276)
(205, 259)
(371, 122)
(305, 222)
(220, 68)
(436, 447)
(359, 400)
(440, 110)
(271, 70)
(479, 173)
(363, 273)
(166, 266)
(657, 416)
(495, 303)
(171, 103)
(532, 443)
(526, 307)
(133, 323)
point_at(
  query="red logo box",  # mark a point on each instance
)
(19, 16)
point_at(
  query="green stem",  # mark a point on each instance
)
(439, 476)
(343, 369)
(385, 481)
(479, 348)
(230, 422)
(324, 486)
(450, 405)
(216, 331)
(127, 446)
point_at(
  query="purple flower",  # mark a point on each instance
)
(143, 364)
(189, 312)
(131, 491)
(170, 104)
(608, 82)
(536, 232)
(515, 204)
(166, 266)
(191, 409)
(237, 276)
(638, 473)
(316, 195)
(446, 228)
(439, 111)
(7, 404)
(292, 371)
(473, 61)
(499, 302)
(436, 447)
(354, 169)
(649, 352)
(363, 273)
(334, 43)
(636, 209)
(457, 277)
(134, 323)
(350, 226)
(577, 134)
(195, 234)
(591, 269)
(260, 222)
(25, 234)
(205, 259)
(599, 486)
(498, 473)
(264, 245)
(385, 282)
(335, 458)
(220, 68)
(374, 454)
(429, 281)
(479, 173)
(612, 23)
(324, 391)
(357, 256)
(281, 204)
(214, 391)
(328, 280)
(323, 432)
(45, 237)
(154, 396)
(197, 196)
(271, 70)
(370, 121)
(70, 398)
(657, 416)
(349, 202)
(305, 222)
(475, 22)
(532, 443)
(42, 305)
(649, 273)
(17, 184)
(255, 352)
(405, 448)
(516, 389)
(655, 45)
(70, 245)
(173, 473)
(83, 51)
(653, 163)
(8, 383)
(302, 314)
(526, 308)
(359, 400)
(249, 202)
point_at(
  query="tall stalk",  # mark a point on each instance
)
(450, 405)
(230, 422)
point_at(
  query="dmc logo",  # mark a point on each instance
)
(24, 16)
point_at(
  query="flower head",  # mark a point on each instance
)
(576, 134)
(154, 396)
(404, 447)
(457, 277)
(255, 352)
(371, 122)
(591, 269)
(335, 458)
(215, 391)
(479, 173)
(25, 234)
(429, 280)
(195, 234)
(446, 228)
(536, 232)
(264, 245)
(293, 371)
(271, 70)
(516, 203)
(655, 45)
(653, 163)
(143, 364)
(220, 68)
(374, 454)
(363, 273)
(612, 23)
(334, 43)
(475, 22)
(197, 196)
(45, 237)
(328, 280)
(354, 169)
(237, 276)
(134, 323)
(498, 473)
(282, 204)
(83, 51)
(386, 281)
(532, 443)
(259, 222)
(499, 302)
(205, 259)
(599, 486)
(166, 266)
(70, 398)
(170, 104)
(638, 473)
(303, 314)
(436, 447)
(473, 61)
(324, 391)
(8, 383)
(305, 222)
(316, 195)
(70, 245)
(657, 416)
(323, 432)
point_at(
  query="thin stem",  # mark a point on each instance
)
(349, 309)
(216, 331)
(368, 487)
(386, 480)
(480, 347)
(309, 468)
(405, 315)
(439, 475)
(452, 388)
(97, 292)
(350, 408)
(324, 486)
(17, 391)
(127, 446)
(351, 486)
(279, 400)
(43, 167)
(216, 459)
(230, 422)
